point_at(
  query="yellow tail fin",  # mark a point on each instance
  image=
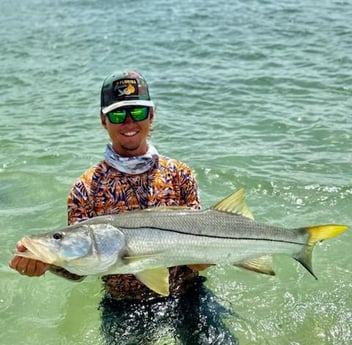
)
(316, 234)
(323, 232)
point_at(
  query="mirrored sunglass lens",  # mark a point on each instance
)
(117, 116)
(139, 114)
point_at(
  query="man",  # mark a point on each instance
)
(132, 176)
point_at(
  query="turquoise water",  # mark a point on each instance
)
(253, 94)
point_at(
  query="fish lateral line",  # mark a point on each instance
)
(216, 236)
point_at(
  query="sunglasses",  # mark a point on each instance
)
(118, 116)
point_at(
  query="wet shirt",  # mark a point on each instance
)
(103, 190)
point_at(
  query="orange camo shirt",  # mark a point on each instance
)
(103, 190)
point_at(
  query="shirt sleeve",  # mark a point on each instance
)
(79, 205)
(189, 187)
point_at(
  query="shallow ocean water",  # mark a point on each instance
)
(253, 94)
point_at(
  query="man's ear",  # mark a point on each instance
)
(103, 120)
(151, 114)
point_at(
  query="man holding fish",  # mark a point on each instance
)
(134, 176)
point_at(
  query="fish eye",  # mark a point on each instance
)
(58, 236)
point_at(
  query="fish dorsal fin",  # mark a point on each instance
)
(156, 279)
(262, 264)
(234, 203)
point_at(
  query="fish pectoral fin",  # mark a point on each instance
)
(235, 203)
(262, 264)
(156, 279)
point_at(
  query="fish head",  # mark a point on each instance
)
(84, 248)
(58, 247)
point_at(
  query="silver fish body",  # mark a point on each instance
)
(180, 237)
(146, 242)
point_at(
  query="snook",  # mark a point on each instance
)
(146, 242)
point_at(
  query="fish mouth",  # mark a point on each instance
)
(36, 251)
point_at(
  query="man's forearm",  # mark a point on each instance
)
(65, 274)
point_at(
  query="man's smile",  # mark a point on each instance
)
(130, 134)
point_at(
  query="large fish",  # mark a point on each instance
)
(146, 242)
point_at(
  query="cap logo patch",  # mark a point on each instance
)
(126, 87)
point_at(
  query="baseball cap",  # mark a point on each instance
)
(124, 89)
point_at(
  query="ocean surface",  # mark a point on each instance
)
(253, 94)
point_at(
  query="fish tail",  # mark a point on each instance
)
(316, 234)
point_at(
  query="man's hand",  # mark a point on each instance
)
(28, 267)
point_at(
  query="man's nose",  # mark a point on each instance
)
(129, 118)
